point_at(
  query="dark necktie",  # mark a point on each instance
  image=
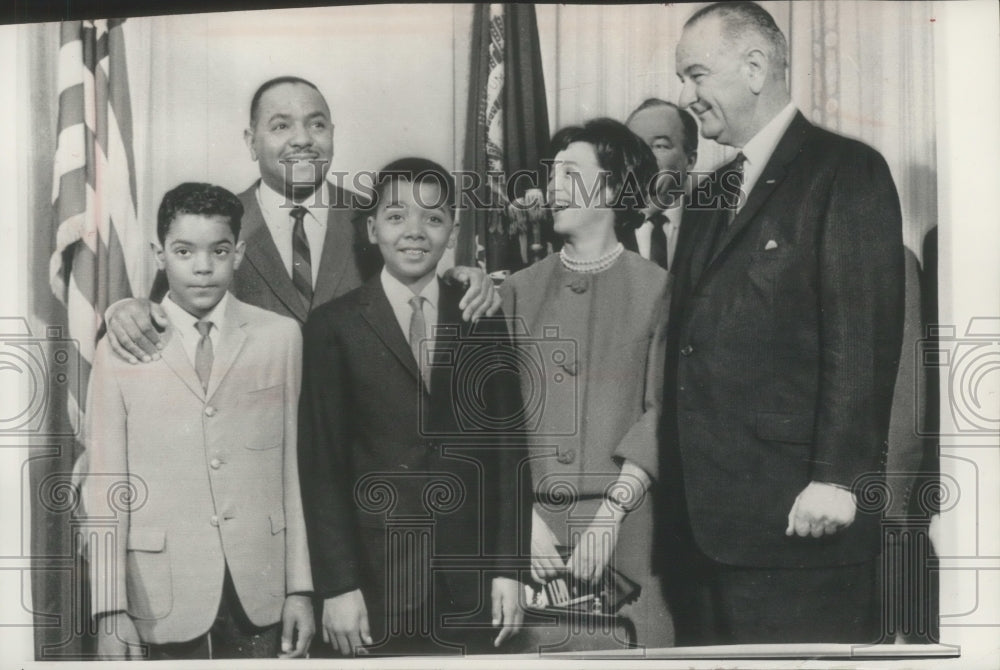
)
(733, 177)
(301, 258)
(732, 195)
(203, 354)
(658, 240)
(418, 331)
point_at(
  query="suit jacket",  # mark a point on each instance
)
(783, 346)
(382, 459)
(214, 476)
(262, 279)
(610, 347)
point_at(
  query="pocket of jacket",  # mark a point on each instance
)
(764, 268)
(781, 427)
(262, 412)
(148, 578)
(272, 577)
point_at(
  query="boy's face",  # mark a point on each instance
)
(199, 255)
(412, 227)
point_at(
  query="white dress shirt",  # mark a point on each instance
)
(760, 147)
(644, 233)
(184, 324)
(279, 222)
(399, 295)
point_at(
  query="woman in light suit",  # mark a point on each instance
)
(593, 481)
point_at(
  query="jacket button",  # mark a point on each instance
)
(215, 463)
(214, 521)
(687, 350)
(210, 411)
(566, 457)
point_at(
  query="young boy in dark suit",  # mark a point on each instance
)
(408, 529)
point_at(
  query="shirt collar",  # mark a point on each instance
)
(760, 147)
(272, 205)
(400, 294)
(184, 322)
(674, 213)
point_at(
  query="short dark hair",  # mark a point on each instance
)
(414, 170)
(687, 120)
(624, 155)
(268, 85)
(740, 17)
(201, 199)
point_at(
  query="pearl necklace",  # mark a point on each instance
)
(591, 267)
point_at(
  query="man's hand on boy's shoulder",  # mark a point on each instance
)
(345, 623)
(117, 638)
(481, 297)
(134, 327)
(298, 626)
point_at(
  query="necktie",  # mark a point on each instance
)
(203, 355)
(658, 240)
(301, 259)
(734, 191)
(418, 331)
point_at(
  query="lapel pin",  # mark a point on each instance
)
(771, 244)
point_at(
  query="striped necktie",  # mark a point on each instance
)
(301, 258)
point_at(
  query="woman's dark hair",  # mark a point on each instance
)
(629, 161)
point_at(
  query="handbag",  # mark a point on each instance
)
(566, 615)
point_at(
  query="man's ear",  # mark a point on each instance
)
(161, 263)
(692, 159)
(371, 230)
(453, 235)
(238, 252)
(756, 66)
(248, 138)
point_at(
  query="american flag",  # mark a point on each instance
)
(98, 251)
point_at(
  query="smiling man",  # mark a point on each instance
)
(672, 134)
(785, 331)
(304, 242)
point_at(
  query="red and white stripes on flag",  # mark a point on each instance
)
(99, 244)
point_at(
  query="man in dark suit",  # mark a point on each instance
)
(304, 242)
(672, 134)
(783, 345)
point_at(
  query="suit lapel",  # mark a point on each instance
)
(377, 311)
(176, 359)
(262, 253)
(774, 173)
(338, 246)
(231, 339)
